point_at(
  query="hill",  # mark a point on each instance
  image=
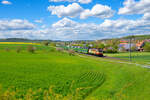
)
(140, 37)
(20, 40)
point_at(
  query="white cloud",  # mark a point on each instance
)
(146, 16)
(64, 29)
(80, 1)
(62, 0)
(72, 10)
(67, 29)
(126, 27)
(30, 34)
(135, 7)
(75, 10)
(65, 22)
(5, 2)
(85, 1)
(100, 11)
(16, 24)
(43, 26)
(39, 21)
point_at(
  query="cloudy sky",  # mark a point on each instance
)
(73, 19)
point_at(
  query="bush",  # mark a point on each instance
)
(122, 49)
(31, 49)
(133, 48)
(53, 44)
(18, 50)
(7, 49)
(60, 49)
(111, 51)
(71, 52)
(147, 47)
(46, 43)
(52, 50)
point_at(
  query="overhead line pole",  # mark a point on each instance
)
(130, 58)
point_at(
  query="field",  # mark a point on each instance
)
(81, 76)
(138, 57)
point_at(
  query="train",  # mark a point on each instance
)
(96, 52)
(86, 50)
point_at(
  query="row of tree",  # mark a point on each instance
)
(111, 46)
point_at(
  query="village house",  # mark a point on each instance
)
(140, 45)
(125, 45)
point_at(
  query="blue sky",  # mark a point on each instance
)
(37, 9)
(73, 19)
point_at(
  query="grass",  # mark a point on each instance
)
(138, 57)
(95, 77)
(19, 43)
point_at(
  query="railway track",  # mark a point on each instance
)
(105, 57)
(117, 60)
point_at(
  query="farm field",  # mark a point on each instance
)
(138, 57)
(93, 77)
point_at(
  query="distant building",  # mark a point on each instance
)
(147, 40)
(140, 45)
(123, 41)
(126, 46)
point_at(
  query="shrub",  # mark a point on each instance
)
(40, 94)
(52, 50)
(133, 48)
(60, 49)
(53, 44)
(102, 46)
(46, 43)
(7, 49)
(18, 50)
(111, 51)
(31, 49)
(147, 47)
(122, 49)
(71, 52)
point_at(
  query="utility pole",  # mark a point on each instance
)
(130, 58)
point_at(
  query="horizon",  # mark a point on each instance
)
(75, 40)
(68, 20)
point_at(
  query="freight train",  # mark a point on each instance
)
(91, 51)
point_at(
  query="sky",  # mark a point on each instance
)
(73, 19)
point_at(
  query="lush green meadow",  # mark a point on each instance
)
(138, 57)
(69, 75)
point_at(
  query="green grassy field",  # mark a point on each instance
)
(91, 76)
(138, 57)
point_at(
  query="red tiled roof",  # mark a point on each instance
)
(139, 44)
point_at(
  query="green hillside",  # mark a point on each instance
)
(138, 37)
(34, 74)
